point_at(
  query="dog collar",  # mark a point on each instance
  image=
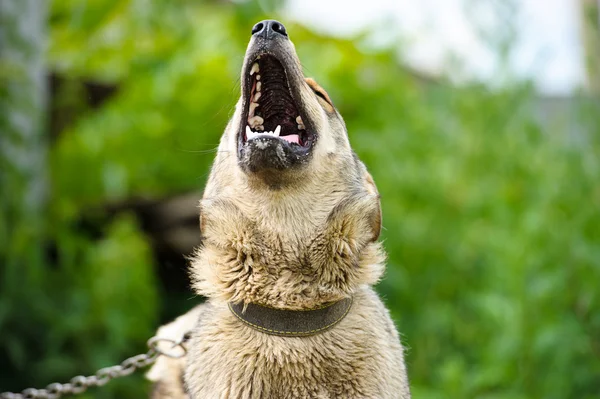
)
(291, 323)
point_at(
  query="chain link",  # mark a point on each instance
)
(81, 383)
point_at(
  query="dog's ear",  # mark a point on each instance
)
(375, 217)
(321, 94)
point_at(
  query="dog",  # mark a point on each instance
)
(290, 220)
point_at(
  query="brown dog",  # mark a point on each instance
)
(290, 220)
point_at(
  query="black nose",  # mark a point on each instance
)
(269, 29)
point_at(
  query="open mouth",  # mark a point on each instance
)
(272, 112)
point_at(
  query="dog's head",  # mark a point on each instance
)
(288, 204)
(285, 124)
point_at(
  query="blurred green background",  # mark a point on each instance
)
(491, 197)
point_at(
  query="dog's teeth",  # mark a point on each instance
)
(258, 85)
(257, 96)
(255, 68)
(250, 134)
(300, 123)
(258, 130)
(253, 106)
(255, 121)
(257, 77)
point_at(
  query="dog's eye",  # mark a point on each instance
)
(324, 100)
(321, 94)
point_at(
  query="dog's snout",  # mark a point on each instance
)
(269, 29)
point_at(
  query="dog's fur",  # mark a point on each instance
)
(290, 237)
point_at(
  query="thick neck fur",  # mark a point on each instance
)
(297, 246)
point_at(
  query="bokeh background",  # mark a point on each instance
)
(479, 120)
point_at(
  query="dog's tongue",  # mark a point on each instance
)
(291, 138)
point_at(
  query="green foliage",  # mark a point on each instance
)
(491, 217)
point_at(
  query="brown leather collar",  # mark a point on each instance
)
(292, 323)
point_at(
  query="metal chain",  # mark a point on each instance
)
(81, 383)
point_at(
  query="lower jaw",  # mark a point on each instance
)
(271, 153)
(300, 146)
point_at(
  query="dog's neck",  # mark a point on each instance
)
(286, 253)
(294, 247)
(292, 323)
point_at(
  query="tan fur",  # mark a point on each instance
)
(291, 240)
(167, 373)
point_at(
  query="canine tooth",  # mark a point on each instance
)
(257, 96)
(258, 85)
(301, 127)
(255, 68)
(277, 130)
(250, 134)
(260, 127)
(251, 110)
